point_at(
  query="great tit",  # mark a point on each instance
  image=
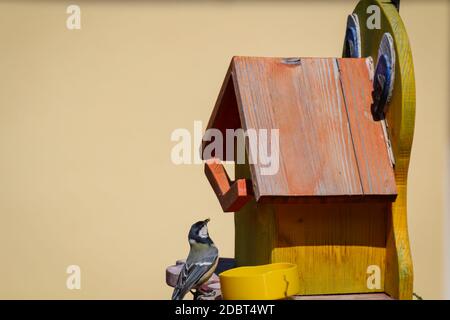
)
(201, 261)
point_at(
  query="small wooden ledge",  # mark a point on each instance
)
(356, 296)
(232, 195)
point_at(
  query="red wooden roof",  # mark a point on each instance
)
(329, 144)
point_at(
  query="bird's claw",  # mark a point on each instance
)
(205, 293)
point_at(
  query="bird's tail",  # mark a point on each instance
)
(178, 294)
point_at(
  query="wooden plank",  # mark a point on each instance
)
(356, 296)
(217, 176)
(400, 117)
(375, 169)
(304, 101)
(239, 195)
(225, 114)
(332, 244)
(232, 196)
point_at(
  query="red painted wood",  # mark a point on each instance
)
(375, 169)
(305, 103)
(232, 196)
(329, 149)
(225, 114)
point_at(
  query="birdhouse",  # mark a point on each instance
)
(321, 179)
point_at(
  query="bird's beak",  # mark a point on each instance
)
(206, 221)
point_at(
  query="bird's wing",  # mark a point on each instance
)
(198, 263)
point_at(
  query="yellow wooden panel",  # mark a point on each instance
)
(255, 229)
(400, 117)
(332, 244)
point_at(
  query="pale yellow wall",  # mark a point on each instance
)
(428, 28)
(86, 118)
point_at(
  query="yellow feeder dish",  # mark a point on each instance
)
(265, 282)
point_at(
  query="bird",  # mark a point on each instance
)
(200, 263)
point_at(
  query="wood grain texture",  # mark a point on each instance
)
(332, 244)
(304, 102)
(321, 159)
(232, 195)
(400, 117)
(372, 155)
(360, 296)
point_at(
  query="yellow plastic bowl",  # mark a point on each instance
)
(265, 282)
